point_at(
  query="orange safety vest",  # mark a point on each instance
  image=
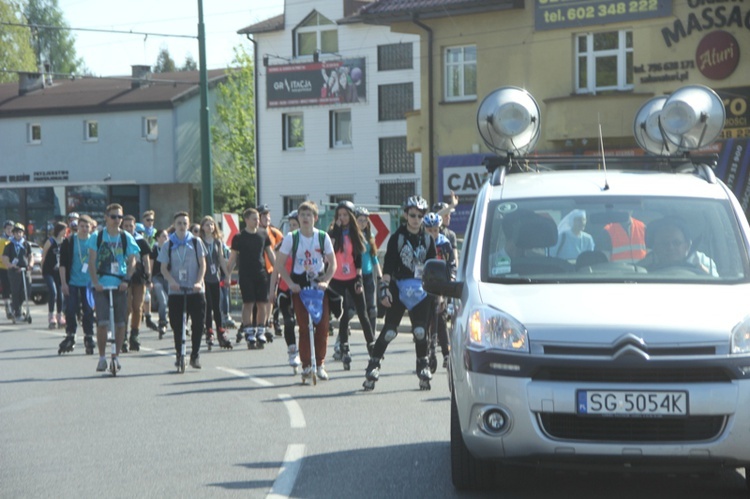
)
(627, 247)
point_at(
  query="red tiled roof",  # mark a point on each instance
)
(104, 94)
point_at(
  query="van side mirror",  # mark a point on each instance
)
(436, 280)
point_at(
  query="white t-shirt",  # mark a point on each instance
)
(308, 259)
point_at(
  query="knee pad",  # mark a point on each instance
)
(390, 335)
(419, 333)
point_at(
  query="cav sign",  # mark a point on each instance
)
(464, 175)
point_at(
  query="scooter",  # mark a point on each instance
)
(312, 299)
(181, 356)
(111, 335)
(27, 316)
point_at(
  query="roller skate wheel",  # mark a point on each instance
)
(424, 384)
(347, 366)
(368, 385)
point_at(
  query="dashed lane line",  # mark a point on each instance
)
(284, 483)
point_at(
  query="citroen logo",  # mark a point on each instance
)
(630, 344)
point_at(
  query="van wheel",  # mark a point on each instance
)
(467, 472)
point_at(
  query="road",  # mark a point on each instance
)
(245, 426)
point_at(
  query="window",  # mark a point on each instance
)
(461, 73)
(90, 131)
(341, 128)
(316, 33)
(34, 133)
(335, 199)
(394, 193)
(293, 131)
(292, 203)
(395, 56)
(394, 157)
(150, 128)
(604, 61)
(394, 101)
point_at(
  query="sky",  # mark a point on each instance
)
(111, 54)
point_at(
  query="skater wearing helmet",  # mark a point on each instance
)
(5, 237)
(347, 282)
(401, 288)
(438, 325)
(371, 271)
(17, 255)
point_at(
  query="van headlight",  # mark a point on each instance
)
(490, 328)
(741, 337)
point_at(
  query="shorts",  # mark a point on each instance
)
(254, 289)
(101, 305)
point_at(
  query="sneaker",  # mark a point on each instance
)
(195, 362)
(322, 374)
(102, 365)
(294, 359)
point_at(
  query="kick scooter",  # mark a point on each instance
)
(312, 299)
(181, 356)
(27, 317)
(111, 335)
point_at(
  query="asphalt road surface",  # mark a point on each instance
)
(244, 426)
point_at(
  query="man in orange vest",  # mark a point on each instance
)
(275, 236)
(628, 239)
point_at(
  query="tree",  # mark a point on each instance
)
(190, 64)
(164, 62)
(233, 133)
(53, 46)
(16, 53)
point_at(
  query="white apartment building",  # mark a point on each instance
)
(331, 103)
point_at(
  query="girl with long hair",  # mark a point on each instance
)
(216, 265)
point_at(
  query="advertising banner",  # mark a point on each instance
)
(316, 83)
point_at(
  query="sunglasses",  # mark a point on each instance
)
(149, 220)
(116, 217)
(415, 215)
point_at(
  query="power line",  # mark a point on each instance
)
(66, 28)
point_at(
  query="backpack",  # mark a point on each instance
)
(295, 244)
(402, 240)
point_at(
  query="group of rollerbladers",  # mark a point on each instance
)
(306, 276)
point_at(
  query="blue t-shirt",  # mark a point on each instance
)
(80, 256)
(368, 261)
(111, 257)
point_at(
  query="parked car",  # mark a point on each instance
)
(631, 355)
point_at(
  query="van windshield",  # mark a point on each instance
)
(632, 239)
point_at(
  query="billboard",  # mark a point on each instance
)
(316, 83)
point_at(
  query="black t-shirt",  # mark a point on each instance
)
(139, 276)
(52, 259)
(154, 255)
(250, 248)
(22, 254)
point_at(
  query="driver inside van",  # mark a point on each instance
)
(671, 246)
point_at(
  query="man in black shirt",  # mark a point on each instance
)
(248, 248)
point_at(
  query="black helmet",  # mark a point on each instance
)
(417, 202)
(361, 211)
(346, 204)
(293, 215)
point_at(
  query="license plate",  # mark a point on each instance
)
(631, 403)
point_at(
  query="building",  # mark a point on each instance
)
(332, 97)
(586, 65)
(78, 145)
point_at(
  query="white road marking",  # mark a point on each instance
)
(241, 374)
(296, 416)
(284, 484)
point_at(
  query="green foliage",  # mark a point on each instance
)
(233, 133)
(164, 62)
(190, 64)
(53, 46)
(16, 53)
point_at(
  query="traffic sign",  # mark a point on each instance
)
(230, 225)
(380, 226)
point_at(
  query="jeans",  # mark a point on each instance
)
(55, 293)
(79, 298)
(213, 311)
(160, 295)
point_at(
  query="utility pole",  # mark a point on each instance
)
(207, 180)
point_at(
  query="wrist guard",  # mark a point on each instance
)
(383, 290)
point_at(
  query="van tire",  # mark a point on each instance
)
(467, 472)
